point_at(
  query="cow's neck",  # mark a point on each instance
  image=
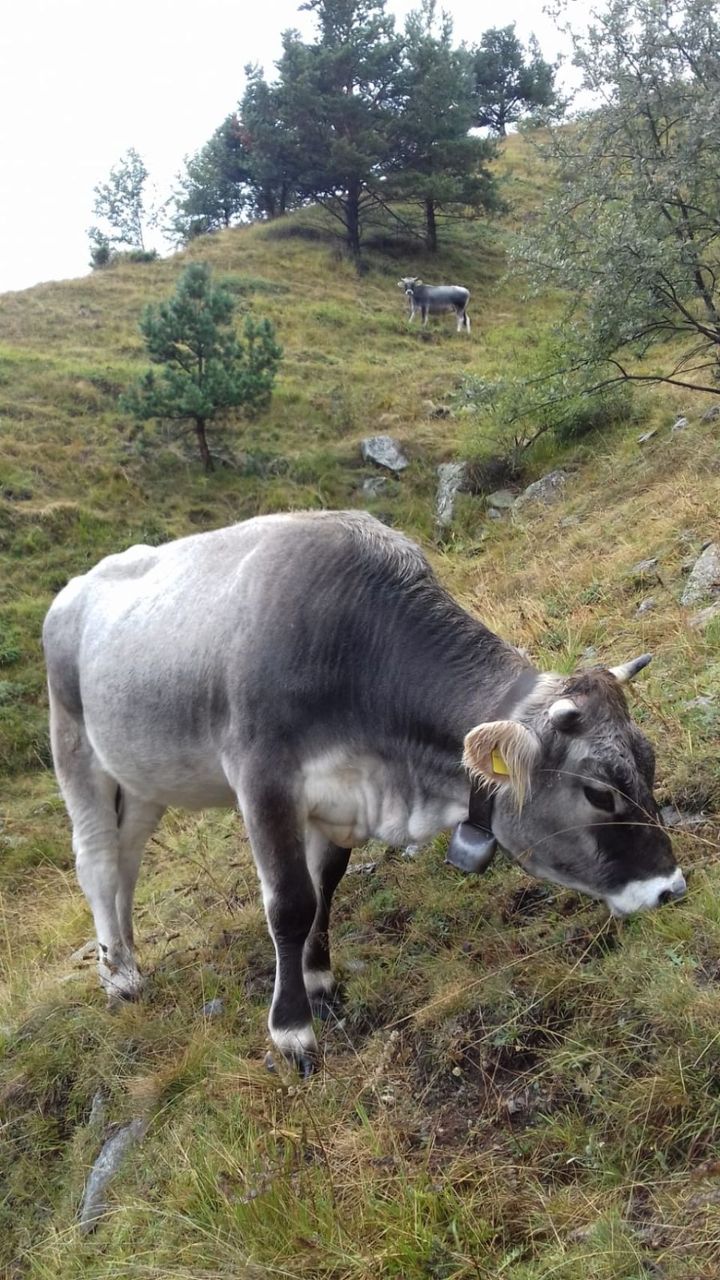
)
(462, 674)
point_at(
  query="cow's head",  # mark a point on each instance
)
(576, 804)
(408, 282)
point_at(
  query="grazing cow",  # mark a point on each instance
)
(433, 299)
(311, 669)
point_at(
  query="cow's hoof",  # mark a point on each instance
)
(122, 982)
(298, 1047)
(304, 1063)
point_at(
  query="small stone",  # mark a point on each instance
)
(546, 490)
(680, 424)
(112, 1154)
(213, 1008)
(647, 435)
(494, 514)
(704, 578)
(411, 850)
(590, 651)
(676, 820)
(644, 567)
(84, 953)
(96, 1119)
(452, 478)
(646, 606)
(711, 414)
(502, 499)
(704, 616)
(384, 452)
(374, 486)
(569, 522)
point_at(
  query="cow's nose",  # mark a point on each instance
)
(676, 890)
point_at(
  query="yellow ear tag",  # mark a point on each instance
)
(498, 764)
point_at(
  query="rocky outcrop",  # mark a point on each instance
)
(452, 479)
(384, 452)
(548, 489)
(113, 1152)
(704, 580)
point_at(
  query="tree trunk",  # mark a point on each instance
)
(283, 198)
(431, 225)
(352, 218)
(203, 445)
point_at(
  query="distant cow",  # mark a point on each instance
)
(310, 669)
(433, 299)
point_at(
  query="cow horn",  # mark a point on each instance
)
(564, 713)
(628, 670)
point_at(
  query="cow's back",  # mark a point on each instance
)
(168, 652)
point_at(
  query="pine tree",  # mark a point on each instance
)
(509, 83)
(336, 93)
(437, 162)
(205, 370)
(215, 189)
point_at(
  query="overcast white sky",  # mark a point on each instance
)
(83, 80)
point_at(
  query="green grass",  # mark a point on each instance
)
(519, 1087)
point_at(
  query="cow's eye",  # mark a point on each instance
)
(600, 798)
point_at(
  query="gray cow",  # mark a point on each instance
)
(311, 669)
(434, 299)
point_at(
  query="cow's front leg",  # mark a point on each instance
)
(413, 309)
(425, 317)
(290, 906)
(328, 864)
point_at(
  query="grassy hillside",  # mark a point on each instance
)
(519, 1087)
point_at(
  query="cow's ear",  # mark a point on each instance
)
(502, 752)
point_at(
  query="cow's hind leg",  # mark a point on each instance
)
(327, 863)
(290, 902)
(137, 819)
(92, 800)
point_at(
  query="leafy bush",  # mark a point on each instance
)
(556, 395)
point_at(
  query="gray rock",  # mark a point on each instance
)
(112, 1154)
(374, 486)
(501, 499)
(452, 477)
(96, 1119)
(704, 578)
(712, 414)
(590, 651)
(494, 513)
(546, 490)
(213, 1008)
(704, 616)
(384, 452)
(644, 567)
(676, 820)
(680, 424)
(647, 435)
(645, 606)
